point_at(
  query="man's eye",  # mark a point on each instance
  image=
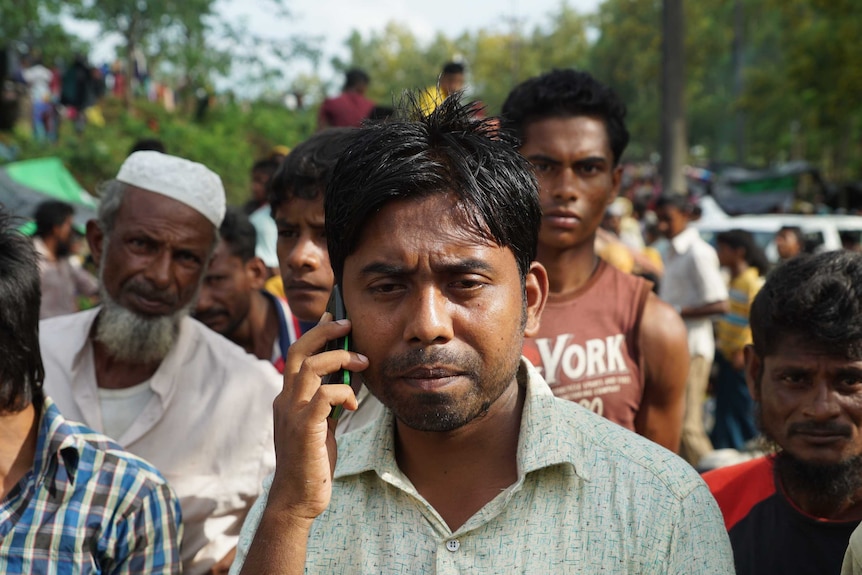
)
(542, 167)
(468, 284)
(386, 288)
(140, 244)
(794, 379)
(287, 233)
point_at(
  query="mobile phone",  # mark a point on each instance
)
(335, 306)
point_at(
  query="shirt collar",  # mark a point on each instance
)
(683, 240)
(546, 438)
(56, 440)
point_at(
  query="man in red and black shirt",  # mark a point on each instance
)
(792, 512)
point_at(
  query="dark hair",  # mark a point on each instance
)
(737, 239)
(306, 171)
(445, 152)
(49, 214)
(814, 297)
(563, 94)
(453, 68)
(239, 234)
(265, 165)
(355, 77)
(671, 200)
(151, 144)
(21, 369)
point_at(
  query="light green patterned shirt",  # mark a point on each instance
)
(591, 497)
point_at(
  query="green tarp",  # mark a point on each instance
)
(24, 185)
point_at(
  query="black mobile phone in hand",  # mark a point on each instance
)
(342, 376)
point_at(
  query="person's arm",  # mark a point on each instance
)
(149, 540)
(664, 347)
(86, 283)
(711, 287)
(705, 310)
(305, 451)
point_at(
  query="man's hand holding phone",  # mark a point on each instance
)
(304, 433)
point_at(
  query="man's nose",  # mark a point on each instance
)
(565, 185)
(429, 320)
(305, 255)
(159, 271)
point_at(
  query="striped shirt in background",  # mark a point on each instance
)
(88, 506)
(732, 330)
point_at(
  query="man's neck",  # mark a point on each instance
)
(738, 269)
(258, 331)
(568, 269)
(460, 471)
(19, 433)
(51, 246)
(113, 373)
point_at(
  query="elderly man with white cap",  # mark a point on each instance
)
(140, 370)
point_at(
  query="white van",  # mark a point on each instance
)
(822, 233)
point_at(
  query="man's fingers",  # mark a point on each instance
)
(303, 384)
(314, 340)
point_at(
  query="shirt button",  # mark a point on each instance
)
(453, 545)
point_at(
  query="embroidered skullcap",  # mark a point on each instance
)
(188, 182)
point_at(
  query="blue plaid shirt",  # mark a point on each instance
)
(88, 506)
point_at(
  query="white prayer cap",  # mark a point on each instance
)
(188, 182)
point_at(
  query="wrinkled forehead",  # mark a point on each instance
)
(442, 213)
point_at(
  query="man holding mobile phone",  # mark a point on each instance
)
(474, 466)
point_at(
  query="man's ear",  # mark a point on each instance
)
(257, 273)
(753, 372)
(536, 292)
(95, 239)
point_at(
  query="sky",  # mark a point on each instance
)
(333, 20)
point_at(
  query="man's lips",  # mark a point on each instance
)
(211, 316)
(561, 218)
(303, 286)
(152, 305)
(430, 378)
(821, 433)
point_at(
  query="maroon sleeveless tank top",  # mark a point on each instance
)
(587, 345)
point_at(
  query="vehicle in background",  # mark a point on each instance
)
(822, 233)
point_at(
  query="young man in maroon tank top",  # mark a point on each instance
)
(606, 341)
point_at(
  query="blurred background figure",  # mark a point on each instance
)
(63, 279)
(38, 79)
(233, 301)
(789, 242)
(693, 285)
(350, 108)
(451, 80)
(260, 214)
(734, 409)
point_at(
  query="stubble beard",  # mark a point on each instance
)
(440, 411)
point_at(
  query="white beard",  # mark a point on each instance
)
(132, 338)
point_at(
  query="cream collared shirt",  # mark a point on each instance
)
(208, 427)
(591, 497)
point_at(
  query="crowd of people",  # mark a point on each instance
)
(533, 363)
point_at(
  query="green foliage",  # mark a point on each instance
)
(795, 92)
(229, 140)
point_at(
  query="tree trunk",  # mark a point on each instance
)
(673, 129)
